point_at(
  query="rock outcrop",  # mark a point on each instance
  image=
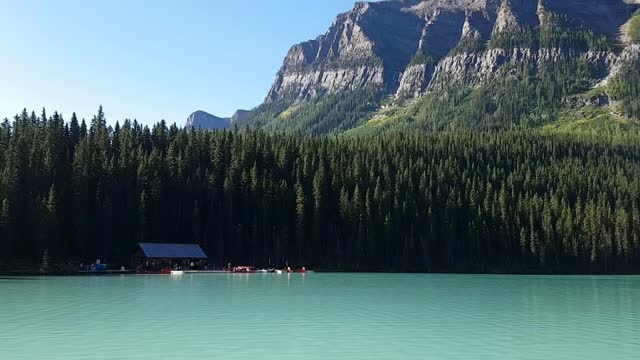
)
(201, 120)
(369, 45)
(408, 47)
(240, 115)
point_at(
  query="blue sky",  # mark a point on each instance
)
(149, 60)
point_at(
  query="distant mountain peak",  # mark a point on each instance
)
(201, 120)
(205, 121)
(239, 115)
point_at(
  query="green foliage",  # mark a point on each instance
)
(596, 92)
(44, 261)
(596, 120)
(525, 38)
(4, 212)
(525, 95)
(329, 113)
(519, 95)
(529, 93)
(625, 88)
(558, 32)
(384, 119)
(267, 112)
(506, 200)
(468, 45)
(634, 28)
(421, 58)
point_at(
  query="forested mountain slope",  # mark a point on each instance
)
(507, 201)
(503, 62)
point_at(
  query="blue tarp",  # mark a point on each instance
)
(172, 251)
(101, 267)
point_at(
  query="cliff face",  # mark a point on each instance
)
(239, 115)
(370, 45)
(409, 47)
(201, 120)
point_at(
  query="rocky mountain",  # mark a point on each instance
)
(240, 115)
(409, 49)
(205, 121)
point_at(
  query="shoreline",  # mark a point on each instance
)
(34, 273)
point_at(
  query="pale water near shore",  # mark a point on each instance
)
(320, 316)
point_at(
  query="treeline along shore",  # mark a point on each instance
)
(475, 201)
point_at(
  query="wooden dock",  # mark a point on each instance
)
(105, 272)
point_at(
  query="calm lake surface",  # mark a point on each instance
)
(320, 316)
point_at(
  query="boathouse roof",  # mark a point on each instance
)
(172, 251)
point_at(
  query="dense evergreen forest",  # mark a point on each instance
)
(501, 200)
(330, 113)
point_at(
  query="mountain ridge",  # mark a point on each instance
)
(408, 49)
(204, 121)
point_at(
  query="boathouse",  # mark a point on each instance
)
(152, 256)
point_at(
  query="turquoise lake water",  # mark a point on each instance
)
(320, 316)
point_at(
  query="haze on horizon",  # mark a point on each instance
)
(149, 60)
